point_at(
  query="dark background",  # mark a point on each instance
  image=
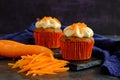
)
(103, 16)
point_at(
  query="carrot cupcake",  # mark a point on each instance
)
(48, 32)
(77, 42)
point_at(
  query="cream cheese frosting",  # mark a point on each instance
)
(48, 22)
(78, 30)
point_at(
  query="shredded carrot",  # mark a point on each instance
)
(61, 69)
(40, 64)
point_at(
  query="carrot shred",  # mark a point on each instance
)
(40, 64)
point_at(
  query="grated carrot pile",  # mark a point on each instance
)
(40, 64)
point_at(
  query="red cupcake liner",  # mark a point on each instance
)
(76, 50)
(48, 39)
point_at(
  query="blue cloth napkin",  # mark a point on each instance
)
(104, 48)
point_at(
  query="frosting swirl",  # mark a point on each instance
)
(78, 30)
(48, 22)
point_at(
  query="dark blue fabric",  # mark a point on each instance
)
(109, 51)
(104, 48)
(25, 36)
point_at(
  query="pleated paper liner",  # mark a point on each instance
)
(76, 50)
(48, 39)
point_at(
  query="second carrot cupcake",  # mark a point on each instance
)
(77, 42)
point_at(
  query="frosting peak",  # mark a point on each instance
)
(78, 30)
(48, 22)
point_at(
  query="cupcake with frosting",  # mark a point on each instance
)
(77, 42)
(48, 32)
